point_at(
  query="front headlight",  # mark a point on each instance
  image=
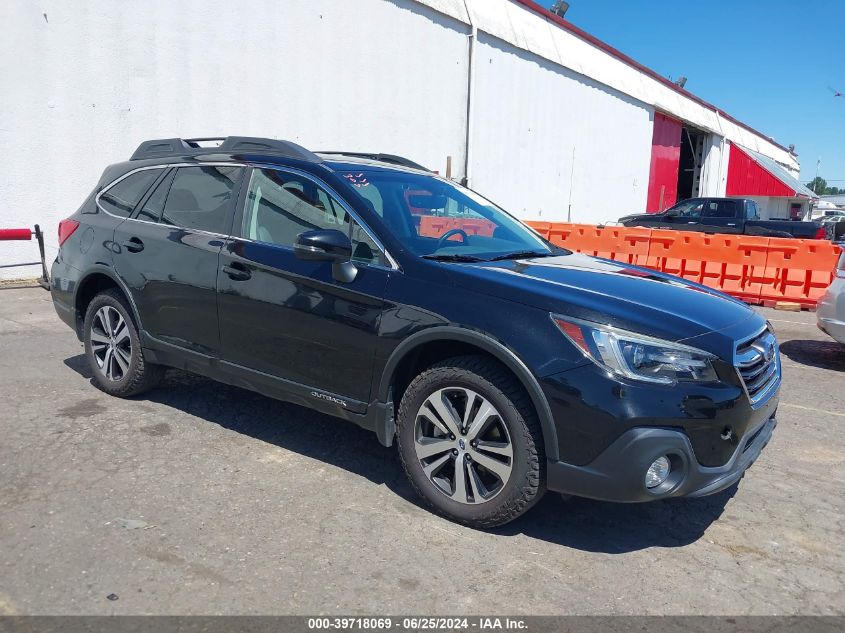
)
(636, 356)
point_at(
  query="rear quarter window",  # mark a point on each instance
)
(122, 197)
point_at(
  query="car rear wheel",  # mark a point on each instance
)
(470, 442)
(113, 348)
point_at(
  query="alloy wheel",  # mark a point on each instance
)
(111, 343)
(463, 445)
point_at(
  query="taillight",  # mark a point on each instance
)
(66, 229)
(821, 234)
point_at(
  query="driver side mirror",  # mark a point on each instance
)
(328, 245)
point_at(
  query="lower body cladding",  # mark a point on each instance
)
(633, 443)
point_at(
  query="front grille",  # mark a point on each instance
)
(758, 364)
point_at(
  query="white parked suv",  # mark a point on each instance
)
(831, 309)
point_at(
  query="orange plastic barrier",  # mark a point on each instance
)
(435, 226)
(754, 269)
(679, 253)
(799, 270)
(629, 245)
(734, 264)
(623, 244)
(739, 265)
(542, 228)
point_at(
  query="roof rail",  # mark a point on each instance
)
(383, 158)
(158, 148)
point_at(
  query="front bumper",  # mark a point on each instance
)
(830, 311)
(834, 328)
(618, 473)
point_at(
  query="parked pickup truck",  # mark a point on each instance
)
(724, 215)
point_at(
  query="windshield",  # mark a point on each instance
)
(438, 219)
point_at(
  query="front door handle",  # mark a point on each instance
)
(237, 272)
(133, 245)
(731, 223)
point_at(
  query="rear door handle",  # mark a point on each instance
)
(731, 223)
(237, 272)
(133, 245)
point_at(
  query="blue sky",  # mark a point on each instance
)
(769, 63)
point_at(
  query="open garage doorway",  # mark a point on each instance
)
(691, 162)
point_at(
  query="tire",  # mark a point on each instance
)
(481, 501)
(120, 377)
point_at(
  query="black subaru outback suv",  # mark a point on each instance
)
(370, 289)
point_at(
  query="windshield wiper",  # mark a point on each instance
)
(453, 257)
(521, 255)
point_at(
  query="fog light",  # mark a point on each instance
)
(657, 472)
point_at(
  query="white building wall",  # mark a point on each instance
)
(714, 171)
(512, 23)
(774, 208)
(529, 116)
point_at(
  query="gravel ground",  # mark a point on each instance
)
(203, 498)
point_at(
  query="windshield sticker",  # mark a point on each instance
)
(359, 180)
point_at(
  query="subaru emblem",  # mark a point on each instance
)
(462, 444)
(770, 352)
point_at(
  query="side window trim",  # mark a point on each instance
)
(171, 167)
(240, 216)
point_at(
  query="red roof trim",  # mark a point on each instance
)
(607, 48)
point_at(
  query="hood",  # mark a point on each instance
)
(610, 292)
(641, 216)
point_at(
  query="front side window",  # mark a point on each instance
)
(121, 198)
(200, 198)
(437, 218)
(281, 205)
(687, 209)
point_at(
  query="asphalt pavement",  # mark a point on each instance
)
(201, 498)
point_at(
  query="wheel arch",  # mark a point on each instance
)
(411, 347)
(95, 281)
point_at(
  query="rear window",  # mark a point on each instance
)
(121, 198)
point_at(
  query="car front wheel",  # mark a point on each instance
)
(470, 442)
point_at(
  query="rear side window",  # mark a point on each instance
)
(154, 205)
(720, 209)
(201, 197)
(753, 211)
(122, 197)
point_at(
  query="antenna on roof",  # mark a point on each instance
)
(560, 8)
